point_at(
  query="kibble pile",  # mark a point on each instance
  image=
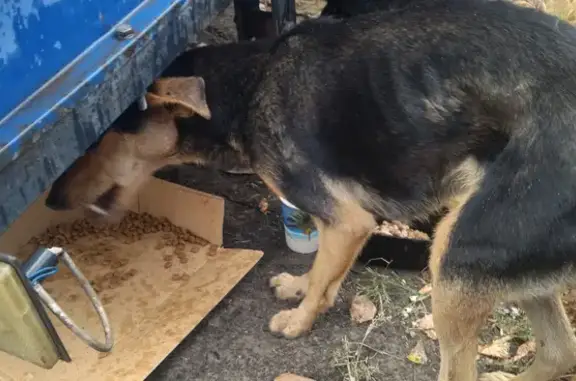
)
(110, 245)
(401, 230)
(132, 227)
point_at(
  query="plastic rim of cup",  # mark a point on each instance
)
(300, 234)
(288, 203)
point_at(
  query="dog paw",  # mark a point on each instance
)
(496, 376)
(289, 287)
(291, 323)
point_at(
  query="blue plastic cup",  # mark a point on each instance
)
(299, 230)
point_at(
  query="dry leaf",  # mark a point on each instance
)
(362, 309)
(426, 325)
(524, 350)
(425, 290)
(499, 349)
(291, 377)
(418, 354)
(263, 206)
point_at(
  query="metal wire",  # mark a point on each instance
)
(108, 343)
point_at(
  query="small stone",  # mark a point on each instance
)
(362, 309)
(263, 206)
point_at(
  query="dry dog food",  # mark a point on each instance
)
(400, 230)
(111, 245)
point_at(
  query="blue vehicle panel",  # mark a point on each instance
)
(39, 37)
(60, 104)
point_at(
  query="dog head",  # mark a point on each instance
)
(108, 177)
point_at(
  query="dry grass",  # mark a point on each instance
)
(355, 363)
(564, 9)
(396, 299)
(392, 294)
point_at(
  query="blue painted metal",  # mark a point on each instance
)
(39, 37)
(70, 100)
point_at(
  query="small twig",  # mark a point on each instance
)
(378, 351)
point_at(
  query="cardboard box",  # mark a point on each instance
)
(150, 313)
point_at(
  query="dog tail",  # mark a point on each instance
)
(395, 253)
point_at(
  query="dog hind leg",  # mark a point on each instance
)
(458, 312)
(458, 316)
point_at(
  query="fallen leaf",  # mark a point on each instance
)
(263, 206)
(362, 309)
(418, 354)
(425, 290)
(426, 325)
(499, 349)
(291, 377)
(524, 350)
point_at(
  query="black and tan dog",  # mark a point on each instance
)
(462, 104)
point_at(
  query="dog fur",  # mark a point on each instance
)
(350, 8)
(463, 104)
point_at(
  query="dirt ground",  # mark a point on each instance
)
(233, 344)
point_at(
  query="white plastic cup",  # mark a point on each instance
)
(297, 240)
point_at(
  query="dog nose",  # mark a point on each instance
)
(56, 200)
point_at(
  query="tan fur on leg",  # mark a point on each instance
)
(290, 287)
(340, 243)
(458, 316)
(458, 313)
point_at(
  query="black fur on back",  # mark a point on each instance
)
(395, 101)
(351, 8)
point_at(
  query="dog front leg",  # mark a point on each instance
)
(340, 244)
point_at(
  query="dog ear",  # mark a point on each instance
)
(176, 107)
(188, 91)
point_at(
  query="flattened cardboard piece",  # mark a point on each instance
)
(201, 213)
(150, 312)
